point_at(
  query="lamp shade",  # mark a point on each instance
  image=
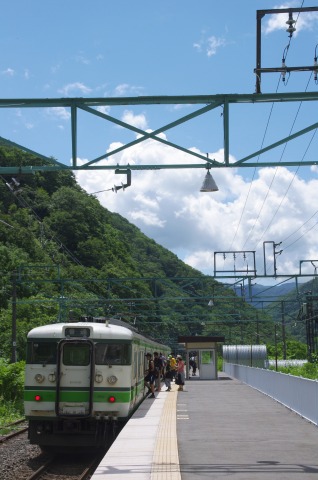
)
(209, 184)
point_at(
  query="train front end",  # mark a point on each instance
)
(77, 384)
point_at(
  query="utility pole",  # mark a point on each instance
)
(14, 319)
(283, 330)
(276, 362)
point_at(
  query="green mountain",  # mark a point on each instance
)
(64, 256)
(295, 308)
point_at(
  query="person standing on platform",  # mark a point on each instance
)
(158, 370)
(193, 365)
(180, 373)
(150, 377)
(168, 374)
(173, 366)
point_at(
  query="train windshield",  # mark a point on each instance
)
(76, 354)
(41, 352)
(113, 354)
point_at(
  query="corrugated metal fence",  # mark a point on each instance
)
(298, 394)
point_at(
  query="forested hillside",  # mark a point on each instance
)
(65, 256)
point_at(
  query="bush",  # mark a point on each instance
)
(308, 370)
(11, 386)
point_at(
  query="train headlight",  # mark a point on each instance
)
(112, 399)
(51, 377)
(98, 378)
(39, 378)
(112, 379)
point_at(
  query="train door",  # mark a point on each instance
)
(134, 375)
(75, 378)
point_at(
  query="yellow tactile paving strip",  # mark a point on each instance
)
(165, 463)
(146, 448)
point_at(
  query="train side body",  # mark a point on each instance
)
(83, 381)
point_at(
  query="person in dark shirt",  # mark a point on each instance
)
(158, 363)
(150, 377)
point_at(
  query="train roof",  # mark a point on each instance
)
(98, 330)
(112, 329)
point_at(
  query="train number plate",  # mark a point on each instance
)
(73, 410)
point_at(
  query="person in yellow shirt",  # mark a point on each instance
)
(173, 366)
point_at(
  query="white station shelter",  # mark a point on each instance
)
(204, 351)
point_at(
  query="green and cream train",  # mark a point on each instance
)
(83, 381)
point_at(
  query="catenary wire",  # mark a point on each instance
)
(295, 173)
(255, 168)
(266, 196)
(286, 50)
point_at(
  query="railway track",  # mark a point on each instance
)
(21, 460)
(14, 429)
(65, 468)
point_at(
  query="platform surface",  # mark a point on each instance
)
(215, 429)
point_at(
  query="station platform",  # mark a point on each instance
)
(214, 429)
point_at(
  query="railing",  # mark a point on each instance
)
(297, 393)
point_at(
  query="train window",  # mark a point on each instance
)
(76, 354)
(113, 354)
(41, 352)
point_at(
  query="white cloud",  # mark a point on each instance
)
(167, 206)
(147, 218)
(127, 89)
(105, 109)
(210, 45)
(74, 87)
(9, 72)
(121, 89)
(304, 20)
(138, 121)
(199, 259)
(147, 201)
(213, 44)
(59, 112)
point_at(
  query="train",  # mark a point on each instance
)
(83, 381)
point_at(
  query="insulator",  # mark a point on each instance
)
(290, 22)
(284, 71)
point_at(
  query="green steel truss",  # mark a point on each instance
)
(206, 102)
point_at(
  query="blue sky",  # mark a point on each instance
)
(57, 49)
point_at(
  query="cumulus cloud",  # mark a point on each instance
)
(59, 112)
(70, 88)
(126, 89)
(147, 218)
(166, 205)
(304, 20)
(138, 121)
(105, 109)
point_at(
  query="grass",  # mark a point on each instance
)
(308, 370)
